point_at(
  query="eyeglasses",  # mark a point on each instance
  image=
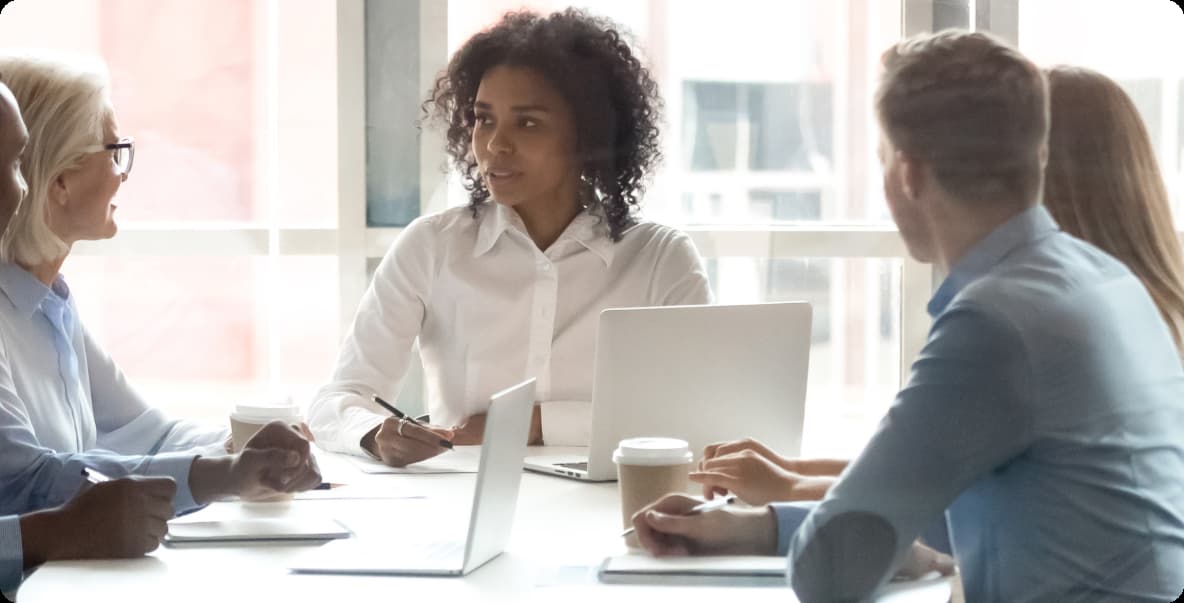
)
(124, 153)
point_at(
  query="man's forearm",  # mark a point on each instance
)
(40, 537)
(764, 533)
(209, 478)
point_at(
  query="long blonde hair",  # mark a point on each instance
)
(1103, 185)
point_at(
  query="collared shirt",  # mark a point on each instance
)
(64, 404)
(490, 310)
(1045, 414)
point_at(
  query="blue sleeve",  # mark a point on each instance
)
(789, 517)
(12, 558)
(126, 424)
(33, 477)
(961, 415)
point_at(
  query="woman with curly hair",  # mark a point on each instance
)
(552, 124)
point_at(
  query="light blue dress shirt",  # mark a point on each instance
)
(1045, 414)
(64, 404)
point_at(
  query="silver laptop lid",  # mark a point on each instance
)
(499, 474)
(704, 374)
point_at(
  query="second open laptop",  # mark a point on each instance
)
(703, 374)
(499, 475)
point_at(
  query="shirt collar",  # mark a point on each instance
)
(26, 292)
(587, 229)
(1022, 228)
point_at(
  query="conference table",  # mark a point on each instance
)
(563, 529)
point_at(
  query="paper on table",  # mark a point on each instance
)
(255, 529)
(462, 459)
(731, 570)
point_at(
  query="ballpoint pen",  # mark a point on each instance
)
(401, 415)
(703, 507)
(94, 476)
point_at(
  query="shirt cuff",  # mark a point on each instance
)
(789, 517)
(175, 465)
(356, 423)
(12, 555)
(567, 423)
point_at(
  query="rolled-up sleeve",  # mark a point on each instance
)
(376, 352)
(34, 477)
(789, 517)
(126, 424)
(972, 372)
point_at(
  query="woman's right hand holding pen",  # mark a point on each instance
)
(399, 442)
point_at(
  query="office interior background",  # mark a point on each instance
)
(279, 156)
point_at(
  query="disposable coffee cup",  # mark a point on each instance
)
(648, 469)
(247, 419)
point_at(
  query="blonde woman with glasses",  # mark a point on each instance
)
(64, 403)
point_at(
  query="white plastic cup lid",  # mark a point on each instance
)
(653, 451)
(261, 413)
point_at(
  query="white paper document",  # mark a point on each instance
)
(462, 459)
(723, 570)
(254, 530)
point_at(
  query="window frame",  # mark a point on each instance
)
(355, 245)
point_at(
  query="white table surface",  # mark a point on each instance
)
(563, 529)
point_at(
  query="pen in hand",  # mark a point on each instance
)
(94, 476)
(401, 415)
(703, 507)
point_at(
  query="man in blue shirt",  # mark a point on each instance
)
(1044, 414)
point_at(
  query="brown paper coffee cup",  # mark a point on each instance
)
(648, 469)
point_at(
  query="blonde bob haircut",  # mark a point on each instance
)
(972, 109)
(1103, 185)
(65, 102)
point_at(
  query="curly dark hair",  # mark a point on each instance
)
(587, 59)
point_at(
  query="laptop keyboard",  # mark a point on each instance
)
(580, 466)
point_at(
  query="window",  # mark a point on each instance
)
(221, 286)
(1132, 42)
(279, 158)
(770, 163)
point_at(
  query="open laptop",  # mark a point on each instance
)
(704, 374)
(495, 497)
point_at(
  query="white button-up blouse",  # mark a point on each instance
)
(490, 309)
